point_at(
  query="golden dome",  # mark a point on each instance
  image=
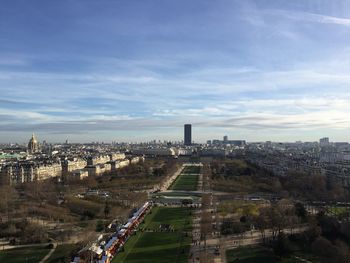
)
(33, 145)
(33, 140)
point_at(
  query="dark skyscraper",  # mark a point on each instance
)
(188, 134)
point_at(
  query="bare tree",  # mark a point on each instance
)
(8, 196)
(262, 223)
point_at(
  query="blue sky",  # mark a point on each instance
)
(132, 70)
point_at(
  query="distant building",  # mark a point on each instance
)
(239, 143)
(324, 141)
(79, 174)
(98, 159)
(33, 145)
(98, 169)
(117, 156)
(226, 141)
(74, 164)
(122, 164)
(154, 151)
(184, 152)
(28, 171)
(213, 152)
(216, 142)
(136, 159)
(188, 134)
(45, 171)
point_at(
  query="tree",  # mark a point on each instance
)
(262, 223)
(345, 230)
(99, 226)
(282, 245)
(329, 225)
(323, 247)
(286, 209)
(8, 196)
(206, 226)
(276, 220)
(228, 227)
(106, 209)
(300, 211)
(314, 231)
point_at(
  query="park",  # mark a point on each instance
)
(164, 236)
(187, 180)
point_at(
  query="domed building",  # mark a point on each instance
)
(33, 145)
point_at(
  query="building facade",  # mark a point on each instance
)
(23, 172)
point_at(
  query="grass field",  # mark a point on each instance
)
(338, 211)
(263, 255)
(178, 218)
(187, 180)
(160, 247)
(250, 255)
(176, 194)
(28, 255)
(191, 170)
(62, 253)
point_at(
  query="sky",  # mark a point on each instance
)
(132, 70)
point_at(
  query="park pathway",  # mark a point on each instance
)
(205, 251)
(49, 254)
(171, 179)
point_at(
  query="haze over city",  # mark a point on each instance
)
(139, 70)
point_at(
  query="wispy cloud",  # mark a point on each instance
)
(311, 17)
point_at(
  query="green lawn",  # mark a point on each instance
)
(185, 182)
(261, 254)
(129, 245)
(24, 255)
(179, 218)
(191, 170)
(160, 247)
(198, 195)
(63, 253)
(338, 211)
(250, 255)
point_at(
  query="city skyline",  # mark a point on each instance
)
(224, 138)
(123, 71)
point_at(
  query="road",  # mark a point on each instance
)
(7, 246)
(202, 249)
(216, 246)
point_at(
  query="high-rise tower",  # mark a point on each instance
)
(188, 134)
